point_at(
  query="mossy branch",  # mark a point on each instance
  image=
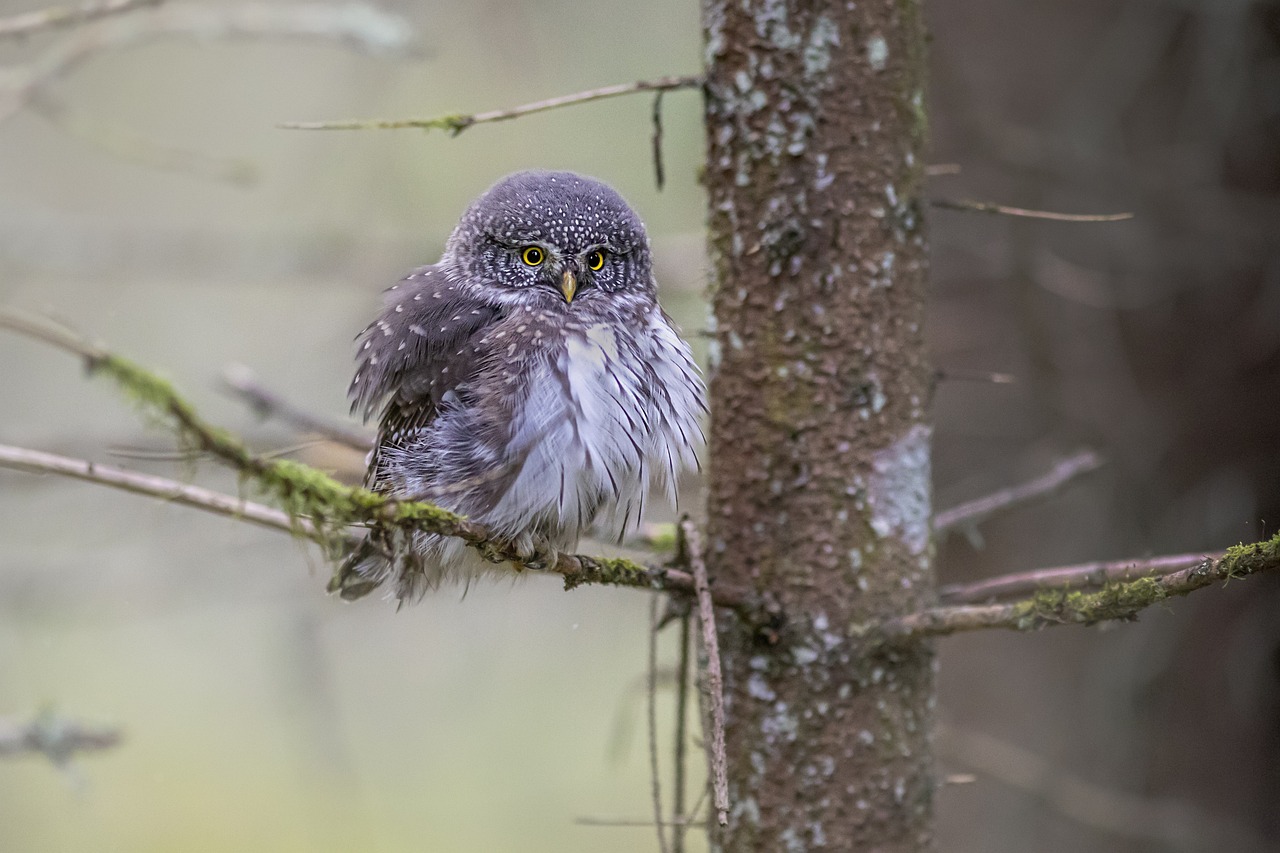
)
(1121, 601)
(322, 508)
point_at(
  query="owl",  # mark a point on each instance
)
(529, 381)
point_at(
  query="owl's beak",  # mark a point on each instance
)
(568, 285)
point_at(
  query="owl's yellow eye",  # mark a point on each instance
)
(595, 261)
(533, 256)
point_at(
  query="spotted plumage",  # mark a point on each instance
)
(529, 381)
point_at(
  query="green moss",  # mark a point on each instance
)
(1241, 560)
(300, 490)
(613, 571)
(307, 493)
(1114, 601)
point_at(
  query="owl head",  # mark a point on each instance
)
(551, 238)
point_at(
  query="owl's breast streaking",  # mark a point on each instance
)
(562, 425)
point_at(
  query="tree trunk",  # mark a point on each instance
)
(819, 491)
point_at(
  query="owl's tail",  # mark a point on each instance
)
(412, 562)
(362, 570)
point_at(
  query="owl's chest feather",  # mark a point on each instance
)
(582, 437)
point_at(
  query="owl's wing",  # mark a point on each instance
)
(415, 352)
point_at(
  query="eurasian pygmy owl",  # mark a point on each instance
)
(529, 381)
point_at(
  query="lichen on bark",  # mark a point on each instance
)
(819, 480)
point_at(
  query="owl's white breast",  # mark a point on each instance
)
(594, 425)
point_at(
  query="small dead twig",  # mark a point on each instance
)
(241, 382)
(455, 124)
(55, 737)
(165, 489)
(678, 816)
(659, 175)
(606, 821)
(29, 23)
(965, 204)
(1114, 602)
(1083, 575)
(651, 699)
(972, 512)
(715, 678)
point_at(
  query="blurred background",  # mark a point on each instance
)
(148, 198)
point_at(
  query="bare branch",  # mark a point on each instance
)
(38, 462)
(455, 124)
(241, 382)
(28, 23)
(715, 679)
(972, 512)
(659, 173)
(356, 25)
(605, 821)
(678, 816)
(1005, 210)
(1114, 602)
(1083, 575)
(651, 719)
(57, 738)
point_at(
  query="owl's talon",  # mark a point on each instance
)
(543, 561)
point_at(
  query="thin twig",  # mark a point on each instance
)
(355, 25)
(715, 679)
(63, 16)
(1114, 602)
(651, 699)
(678, 816)
(972, 512)
(659, 174)
(1005, 210)
(936, 170)
(606, 821)
(36, 461)
(241, 382)
(455, 124)
(55, 737)
(1083, 575)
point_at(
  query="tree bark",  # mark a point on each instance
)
(819, 484)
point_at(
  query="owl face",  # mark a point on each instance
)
(553, 237)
